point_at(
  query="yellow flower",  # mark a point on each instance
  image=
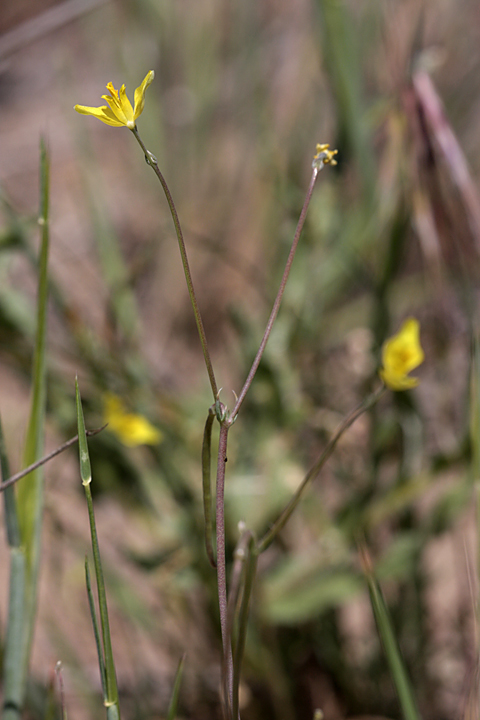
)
(129, 428)
(120, 112)
(401, 354)
(324, 156)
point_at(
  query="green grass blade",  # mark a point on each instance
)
(172, 708)
(93, 614)
(11, 518)
(392, 651)
(25, 562)
(30, 488)
(13, 661)
(207, 487)
(343, 62)
(111, 690)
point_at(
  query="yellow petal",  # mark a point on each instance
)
(102, 113)
(401, 354)
(111, 90)
(396, 382)
(140, 94)
(116, 109)
(127, 109)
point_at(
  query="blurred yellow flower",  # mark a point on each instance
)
(324, 156)
(129, 428)
(120, 112)
(401, 354)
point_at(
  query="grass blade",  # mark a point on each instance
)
(172, 708)
(11, 517)
(207, 487)
(25, 560)
(343, 63)
(13, 661)
(111, 690)
(387, 636)
(93, 614)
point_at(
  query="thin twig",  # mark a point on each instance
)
(313, 472)
(13, 478)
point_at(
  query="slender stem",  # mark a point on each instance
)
(227, 666)
(151, 160)
(278, 299)
(13, 478)
(313, 472)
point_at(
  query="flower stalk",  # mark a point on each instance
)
(152, 161)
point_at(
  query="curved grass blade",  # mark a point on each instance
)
(207, 486)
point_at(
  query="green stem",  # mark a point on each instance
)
(151, 160)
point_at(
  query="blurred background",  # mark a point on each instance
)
(243, 91)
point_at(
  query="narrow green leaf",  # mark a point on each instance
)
(343, 63)
(85, 467)
(207, 486)
(25, 563)
(11, 518)
(13, 661)
(111, 690)
(172, 708)
(93, 615)
(392, 651)
(30, 488)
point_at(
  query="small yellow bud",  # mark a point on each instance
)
(130, 429)
(324, 156)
